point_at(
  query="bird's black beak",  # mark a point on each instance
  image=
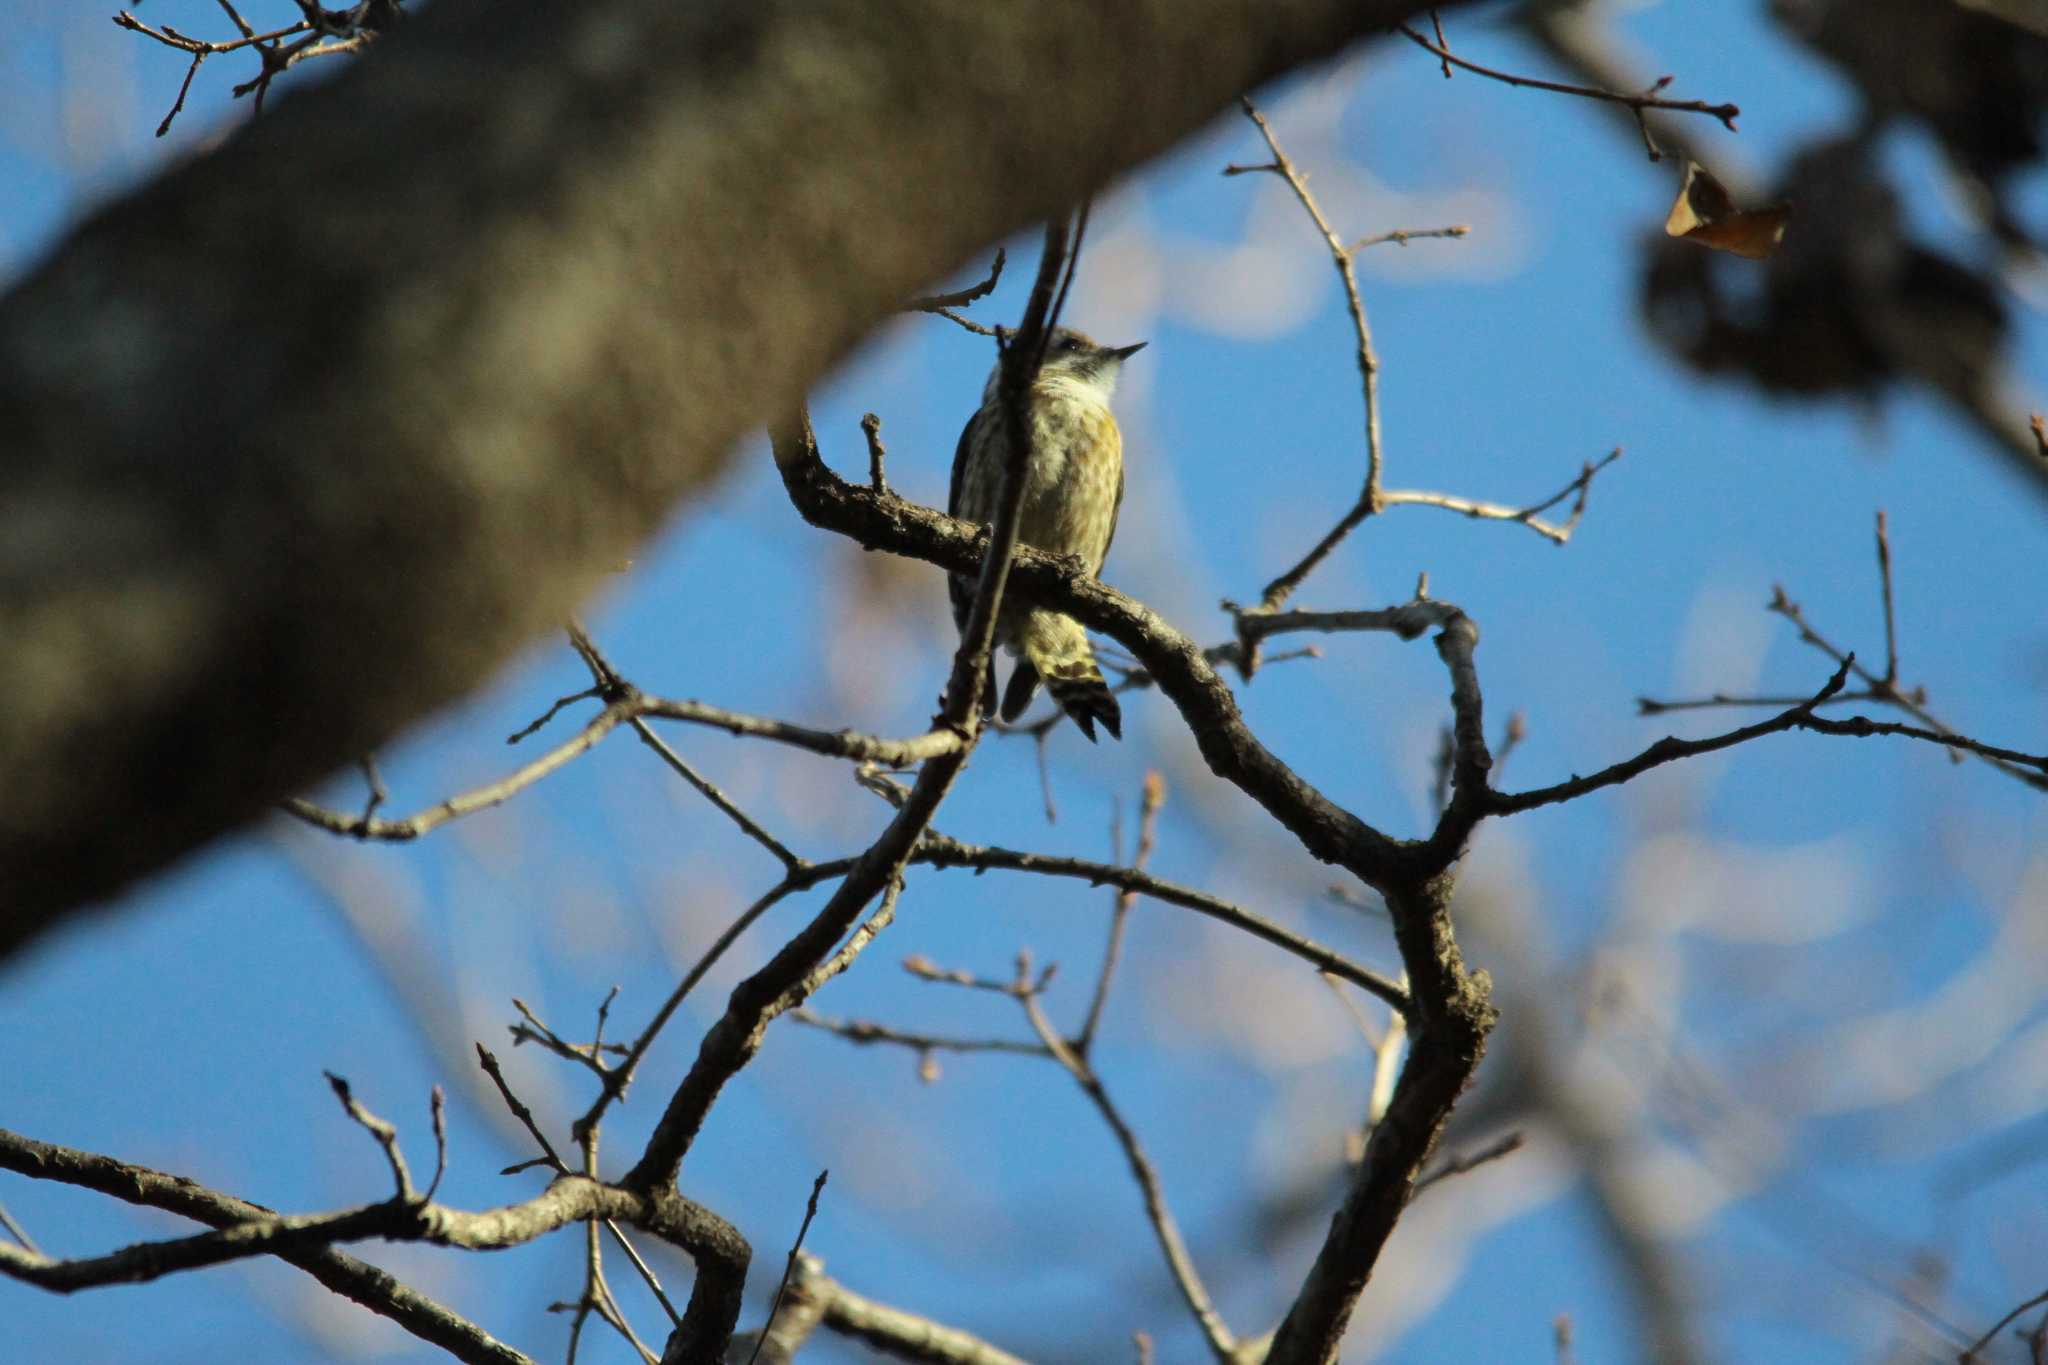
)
(1126, 352)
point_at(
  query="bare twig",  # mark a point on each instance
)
(747, 824)
(438, 1107)
(789, 1269)
(1727, 113)
(534, 726)
(871, 427)
(960, 298)
(1403, 236)
(1885, 690)
(198, 47)
(647, 1275)
(1884, 578)
(1436, 22)
(533, 1030)
(1506, 1145)
(1912, 703)
(18, 1233)
(489, 1062)
(1149, 802)
(1670, 749)
(969, 323)
(866, 1033)
(1558, 533)
(1280, 589)
(1179, 1264)
(1971, 1354)
(184, 89)
(893, 1331)
(384, 1132)
(634, 705)
(924, 969)
(941, 851)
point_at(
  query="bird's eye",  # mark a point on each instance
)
(1070, 343)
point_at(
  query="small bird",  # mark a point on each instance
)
(1073, 490)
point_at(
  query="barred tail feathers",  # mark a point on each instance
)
(1056, 649)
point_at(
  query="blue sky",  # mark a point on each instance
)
(1836, 935)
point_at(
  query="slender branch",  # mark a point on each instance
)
(199, 47)
(863, 1032)
(1507, 1145)
(871, 427)
(1670, 749)
(629, 707)
(384, 1132)
(2031, 769)
(1403, 236)
(1727, 113)
(1913, 703)
(647, 1275)
(969, 323)
(1862, 727)
(1652, 706)
(437, 1107)
(939, 850)
(533, 1030)
(467, 803)
(960, 298)
(1884, 578)
(892, 1331)
(489, 1063)
(184, 89)
(1149, 802)
(1558, 533)
(535, 725)
(1178, 1262)
(924, 969)
(747, 824)
(1971, 1354)
(17, 1232)
(1280, 589)
(621, 1076)
(789, 1269)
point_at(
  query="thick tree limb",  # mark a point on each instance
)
(306, 437)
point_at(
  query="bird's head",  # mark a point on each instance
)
(1074, 357)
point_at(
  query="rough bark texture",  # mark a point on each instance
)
(306, 437)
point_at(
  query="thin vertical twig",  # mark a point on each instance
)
(1280, 589)
(1884, 575)
(789, 1269)
(1178, 1262)
(1153, 797)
